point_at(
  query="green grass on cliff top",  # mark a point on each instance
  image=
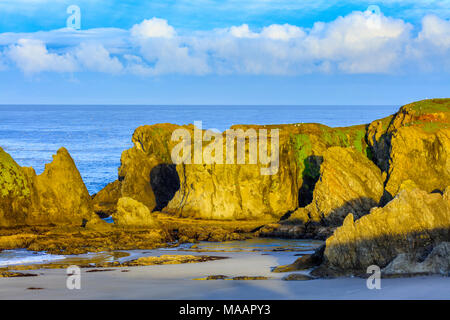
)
(430, 106)
(346, 137)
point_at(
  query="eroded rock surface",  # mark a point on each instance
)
(228, 191)
(348, 182)
(58, 196)
(414, 144)
(412, 221)
(15, 192)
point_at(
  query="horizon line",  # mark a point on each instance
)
(201, 105)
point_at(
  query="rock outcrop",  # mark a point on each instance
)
(15, 192)
(348, 182)
(105, 201)
(58, 196)
(410, 223)
(414, 144)
(227, 191)
(420, 156)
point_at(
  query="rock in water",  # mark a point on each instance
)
(133, 213)
(297, 277)
(61, 197)
(413, 220)
(58, 196)
(305, 262)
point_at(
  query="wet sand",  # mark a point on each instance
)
(176, 282)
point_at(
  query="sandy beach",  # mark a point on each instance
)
(177, 282)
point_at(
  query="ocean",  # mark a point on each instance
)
(97, 135)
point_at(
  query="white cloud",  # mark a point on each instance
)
(32, 56)
(435, 31)
(242, 31)
(361, 42)
(153, 28)
(174, 56)
(282, 32)
(94, 57)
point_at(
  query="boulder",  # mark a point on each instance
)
(133, 213)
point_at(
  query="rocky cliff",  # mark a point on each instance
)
(412, 145)
(226, 191)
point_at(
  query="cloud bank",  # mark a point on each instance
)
(359, 43)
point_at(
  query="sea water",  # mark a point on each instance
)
(96, 136)
(23, 256)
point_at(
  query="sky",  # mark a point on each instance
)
(303, 52)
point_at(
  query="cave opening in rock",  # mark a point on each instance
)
(310, 175)
(165, 182)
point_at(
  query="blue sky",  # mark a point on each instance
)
(224, 52)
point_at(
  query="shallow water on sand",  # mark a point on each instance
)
(178, 281)
(23, 256)
(263, 245)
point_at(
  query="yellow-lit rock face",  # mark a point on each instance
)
(349, 182)
(420, 156)
(57, 196)
(105, 201)
(60, 194)
(15, 192)
(411, 221)
(133, 213)
(233, 191)
(414, 144)
(207, 191)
